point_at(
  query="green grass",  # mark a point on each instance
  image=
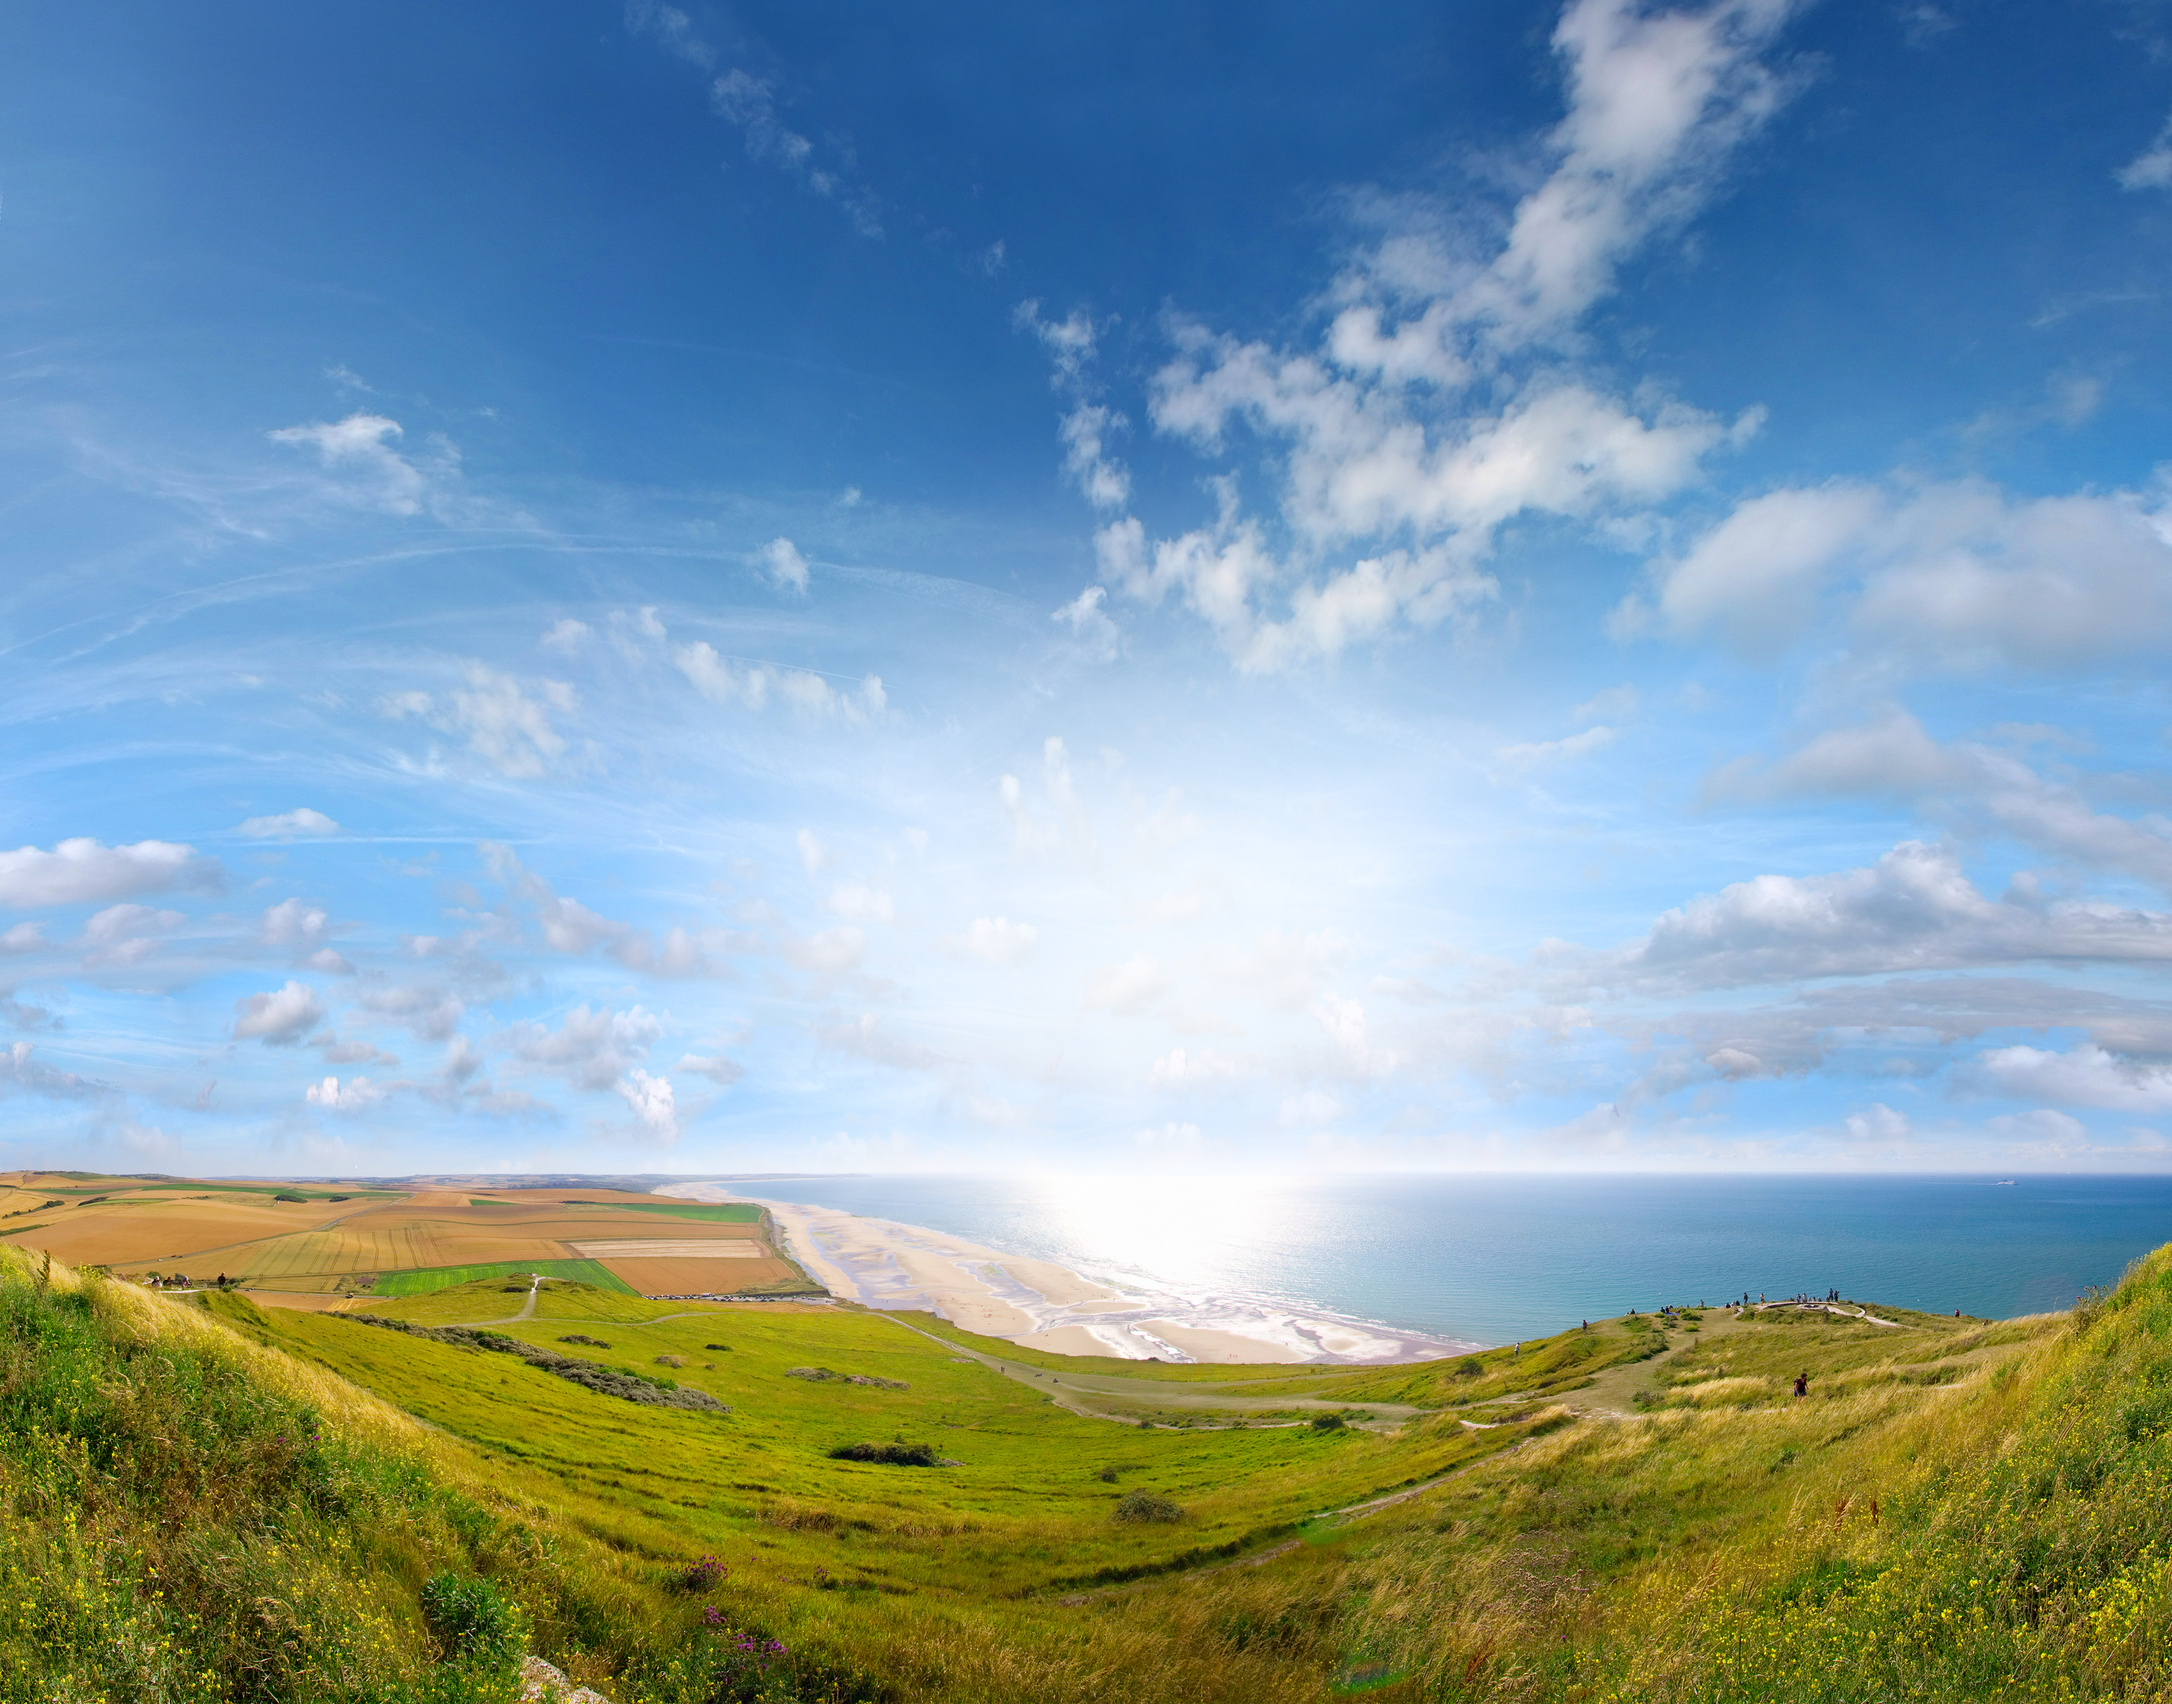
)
(1960, 1510)
(563, 1300)
(421, 1280)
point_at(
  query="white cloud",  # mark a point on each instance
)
(294, 925)
(814, 857)
(23, 938)
(2086, 1075)
(785, 566)
(1614, 703)
(288, 825)
(1893, 756)
(754, 685)
(2152, 168)
(829, 952)
(495, 713)
(1087, 618)
(1876, 1123)
(864, 1036)
(126, 933)
(1182, 1069)
(654, 1103)
(1127, 988)
(1313, 1107)
(590, 1049)
(364, 469)
(1960, 574)
(356, 1094)
(81, 871)
(861, 903)
(995, 940)
(18, 1070)
(751, 103)
(716, 1067)
(1914, 910)
(1103, 480)
(1377, 443)
(1557, 751)
(431, 1013)
(279, 1018)
(566, 636)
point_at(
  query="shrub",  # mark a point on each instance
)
(671, 1360)
(1327, 1422)
(1146, 1506)
(893, 1455)
(583, 1337)
(283, 1195)
(716, 1346)
(474, 1624)
(1470, 1367)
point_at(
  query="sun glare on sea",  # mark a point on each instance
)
(1194, 1233)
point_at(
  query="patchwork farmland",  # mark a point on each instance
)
(329, 1245)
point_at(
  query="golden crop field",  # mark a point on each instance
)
(341, 1236)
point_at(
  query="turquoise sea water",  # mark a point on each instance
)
(1491, 1259)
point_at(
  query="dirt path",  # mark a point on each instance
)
(1124, 1397)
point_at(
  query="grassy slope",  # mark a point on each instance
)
(1958, 1510)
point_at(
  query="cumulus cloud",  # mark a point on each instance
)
(653, 1102)
(570, 927)
(430, 1011)
(288, 825)
(1959, 574)
(1382, 433)
(294, 925)
(995, 940)
(827, 952)
(566, 636)
(590, 1049)
(1181, 1068)
(786, 567)
(279, 1018)
(505, 722)
(356, 1094)
(82, 871)
(755, 686)
(2086, 1075)
(1914, 910)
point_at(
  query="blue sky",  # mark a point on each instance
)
(1156, 588)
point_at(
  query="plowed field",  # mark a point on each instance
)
(703, 1276)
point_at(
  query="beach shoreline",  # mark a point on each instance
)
(1038, 1304)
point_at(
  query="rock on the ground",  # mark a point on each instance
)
(545, 1683)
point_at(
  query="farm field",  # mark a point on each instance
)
(302, 1244)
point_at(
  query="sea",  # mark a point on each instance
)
(1493, 1259)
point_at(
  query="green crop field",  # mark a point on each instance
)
(421, 1281)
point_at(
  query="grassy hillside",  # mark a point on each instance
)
(203, 1500)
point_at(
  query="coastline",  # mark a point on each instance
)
(1038, 1304)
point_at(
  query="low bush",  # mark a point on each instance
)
(891, 1455)
(1147, 1506)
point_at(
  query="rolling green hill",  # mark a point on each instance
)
(203, 1500)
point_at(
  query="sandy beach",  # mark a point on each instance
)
(1040, 1305)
